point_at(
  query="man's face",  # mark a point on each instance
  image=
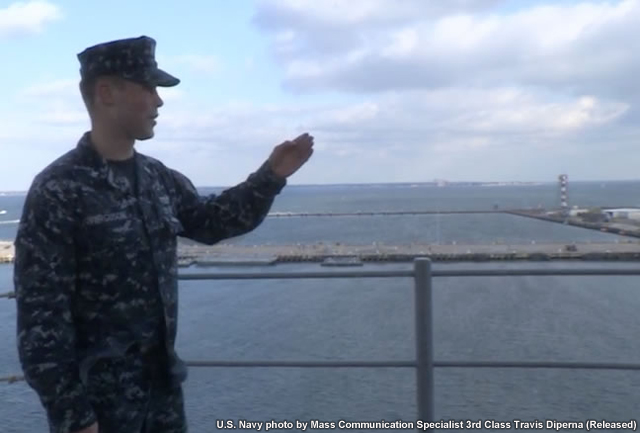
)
(133, 108)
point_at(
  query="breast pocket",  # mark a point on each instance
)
(112, 234)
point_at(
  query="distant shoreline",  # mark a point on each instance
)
(434, 184)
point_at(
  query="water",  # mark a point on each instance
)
(514, 318)
(10, 210)
(405, 228)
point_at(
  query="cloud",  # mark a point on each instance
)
(580, 48)
(466, 89)
(454, 90)
(279, 13)
(445, 122)
(395, 136)
(25, 18)
(473, 111)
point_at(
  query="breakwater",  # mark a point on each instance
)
(226, 254)
(615, 228)
(338, 254)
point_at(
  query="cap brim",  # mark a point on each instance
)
(164, 79)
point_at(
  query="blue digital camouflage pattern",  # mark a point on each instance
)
(95, 281)
(131, 394)
(131, 58)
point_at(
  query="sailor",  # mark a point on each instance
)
(95, 254)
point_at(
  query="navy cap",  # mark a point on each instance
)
(132, 59)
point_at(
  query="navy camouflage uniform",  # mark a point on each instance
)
(96, 267)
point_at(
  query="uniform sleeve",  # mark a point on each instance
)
(235, 211)
(44, 278)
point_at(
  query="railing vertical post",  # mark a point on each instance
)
(424, 339)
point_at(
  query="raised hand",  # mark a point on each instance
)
(289, 156)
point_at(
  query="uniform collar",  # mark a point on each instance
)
(103, 170)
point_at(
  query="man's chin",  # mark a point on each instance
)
(148, 135)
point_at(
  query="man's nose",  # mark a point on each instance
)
(159, 101)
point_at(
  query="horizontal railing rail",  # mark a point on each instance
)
(409, 273)
(422, 273)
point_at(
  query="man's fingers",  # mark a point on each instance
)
(304, 147)
(305, 154)
(301, 145)
(304, 139)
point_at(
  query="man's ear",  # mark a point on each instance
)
(107, 90)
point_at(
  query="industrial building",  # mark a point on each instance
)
(622, 213)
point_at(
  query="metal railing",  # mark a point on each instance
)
(424, 362)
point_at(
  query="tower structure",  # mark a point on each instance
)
(563, 183)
